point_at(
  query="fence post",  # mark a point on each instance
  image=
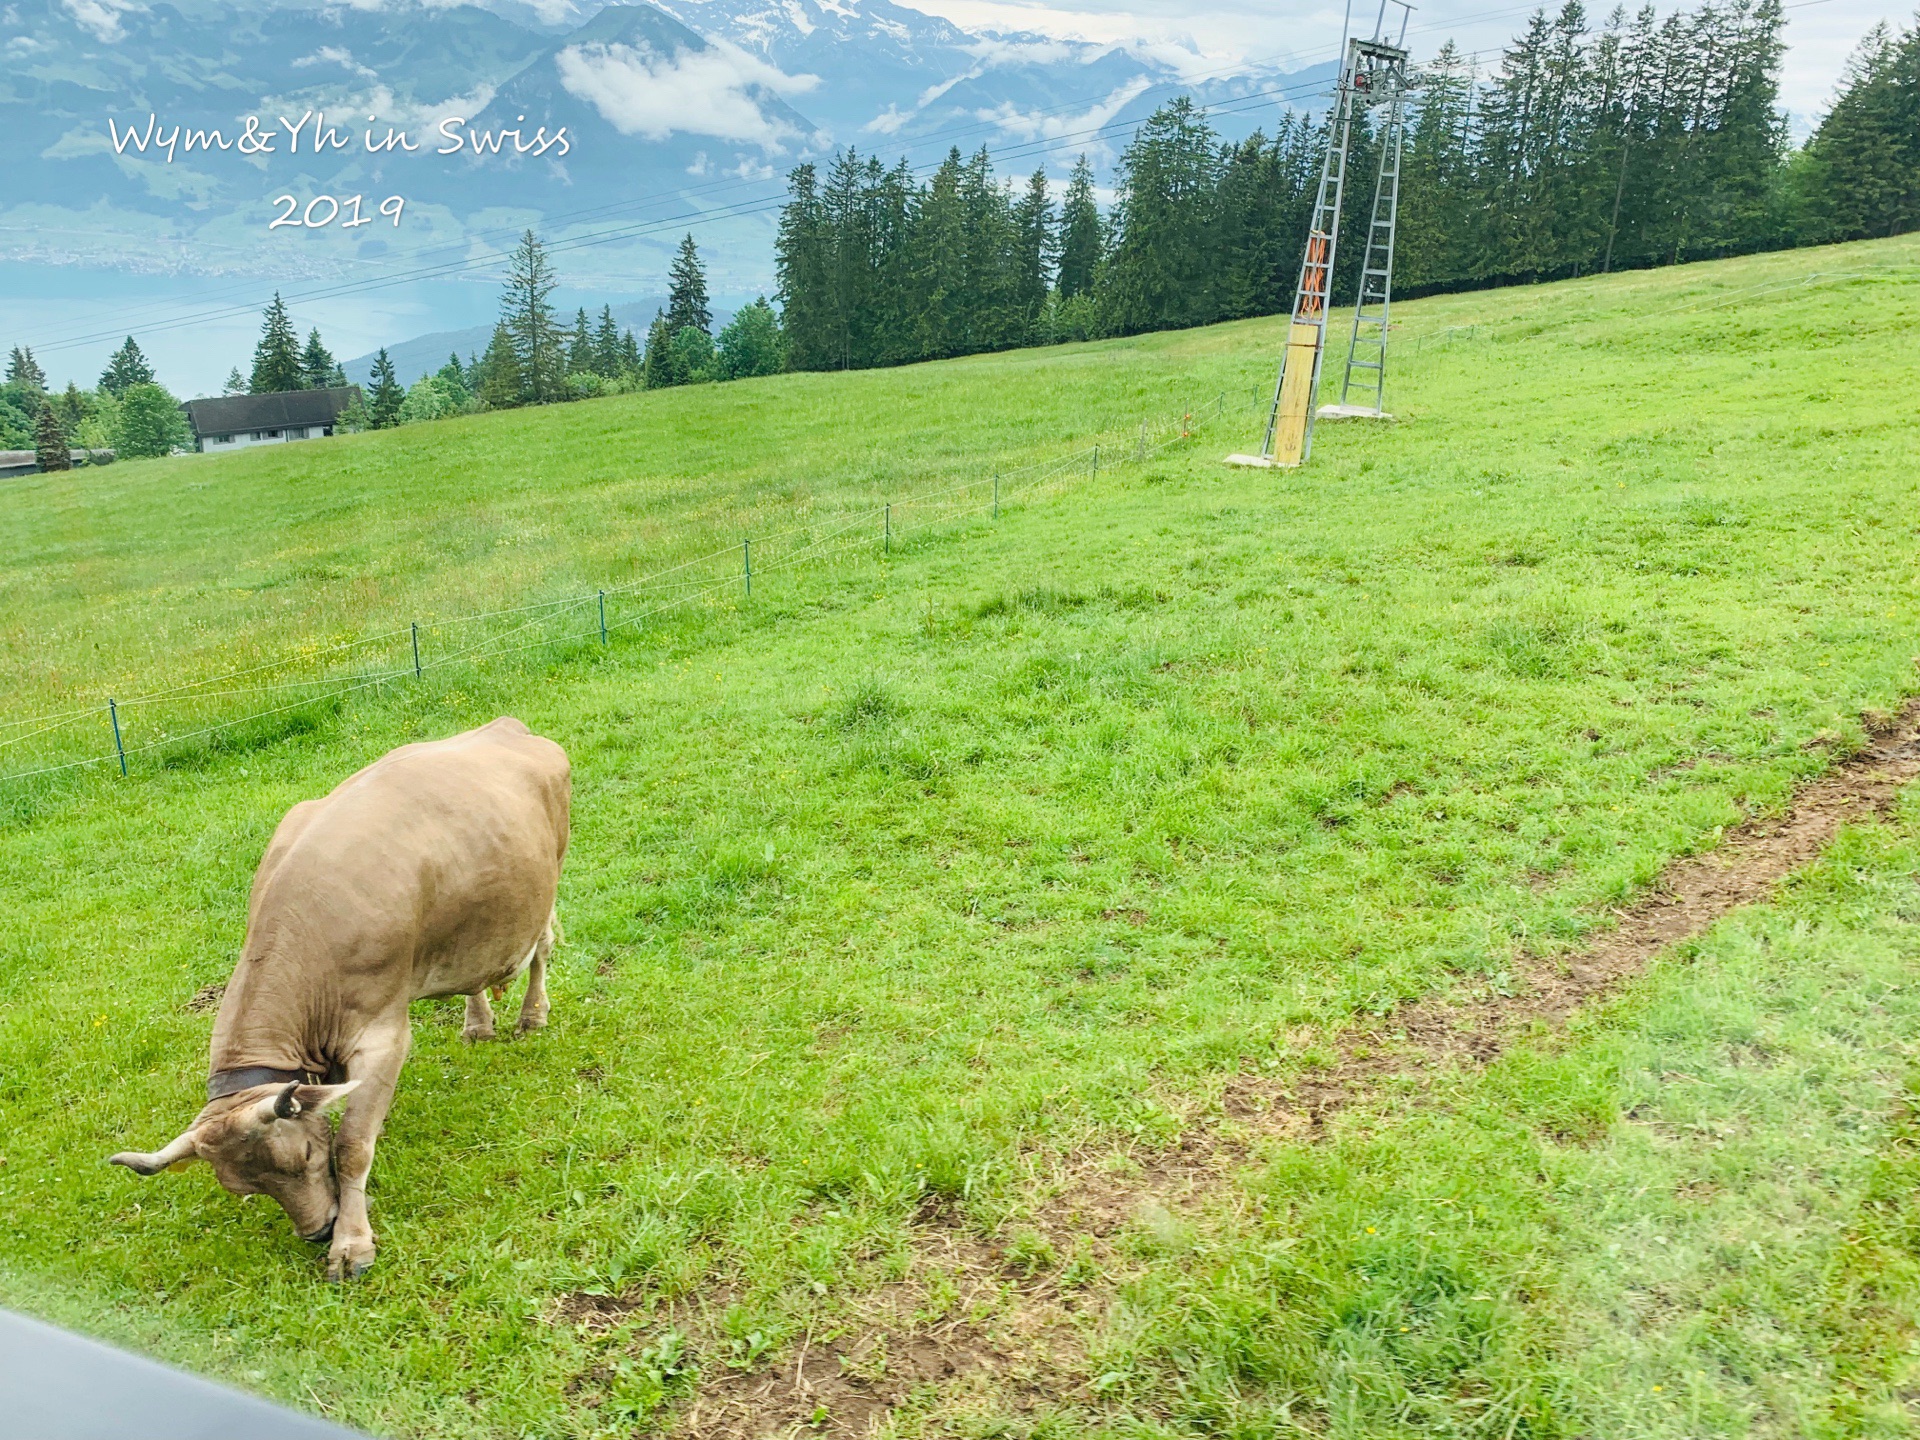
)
(1096, 462)
(996, 494)
(746, 554)
(603, 617)
(886, 519)
(416, 649)
(1142, 455)
(113, 714)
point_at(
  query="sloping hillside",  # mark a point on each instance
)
(1175, 958)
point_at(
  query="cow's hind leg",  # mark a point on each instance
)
(533, 1008)
(479, 1024)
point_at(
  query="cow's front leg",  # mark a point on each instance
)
(376, 1065)
(533, 1007)
(479, 1024)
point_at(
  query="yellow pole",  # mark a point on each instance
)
(1295, 407)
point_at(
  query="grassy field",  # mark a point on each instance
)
(924, 909)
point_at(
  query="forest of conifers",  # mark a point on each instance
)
(1639, 141)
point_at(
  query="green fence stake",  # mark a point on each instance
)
(1096, 462)
(416, 649)
(603, 617)
(746, 553)
(886, 519)
(996, 494)
(113, 714)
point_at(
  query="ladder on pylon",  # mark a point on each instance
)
(1290, 424)
(1367, 353)
(1372, 73)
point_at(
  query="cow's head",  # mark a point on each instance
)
(269, 1140)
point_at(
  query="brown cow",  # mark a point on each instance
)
(430, 872)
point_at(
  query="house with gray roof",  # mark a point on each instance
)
(233, 422)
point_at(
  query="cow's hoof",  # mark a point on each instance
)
(350, 1261)
(530, 1023)
(474, 1037)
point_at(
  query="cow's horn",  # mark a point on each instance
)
(179, 1152)
(286, 1104)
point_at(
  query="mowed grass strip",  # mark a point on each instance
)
(914, 877)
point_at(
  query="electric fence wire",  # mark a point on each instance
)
(542, 612)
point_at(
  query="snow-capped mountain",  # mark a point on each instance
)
(679, 115)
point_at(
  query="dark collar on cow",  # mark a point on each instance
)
(232, 1082)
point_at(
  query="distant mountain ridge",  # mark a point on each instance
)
(683, 115)
(663, 104)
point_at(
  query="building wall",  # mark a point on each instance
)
(241, 440)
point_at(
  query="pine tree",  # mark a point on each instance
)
(386, 395)
(127, 367)
(458, 378)
(276, 359)
(580, 358)
(1163, 265)
(632, 362)
(236, 382)
(800, 251)
(526, 311)
(25, 372)
(607, 358)
(72, 406)
(687, 292)
(50, 441)
(316, 362)
(657, 369)
(1860, 175)
(500, 385)
(1033, 225)
(993, 318)
(938, 313)
(1080, 241)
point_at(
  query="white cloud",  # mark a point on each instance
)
(1035, 125)
(419, 119)
(101, 17)
(697, 92)
(887, 122)
(933, 92)
(700, 165)
(336, 55)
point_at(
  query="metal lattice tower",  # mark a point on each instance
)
(1373, 73)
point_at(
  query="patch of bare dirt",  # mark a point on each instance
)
(1751, 860)
(962, 1316)
(207, 997)
(592, 1310)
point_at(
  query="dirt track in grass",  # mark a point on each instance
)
(1018, 1330)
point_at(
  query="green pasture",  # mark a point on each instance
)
(921, 880)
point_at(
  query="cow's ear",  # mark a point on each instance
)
(322, 1097)
(178, 1154)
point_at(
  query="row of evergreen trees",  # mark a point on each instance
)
(128, 414)
(1642, 141)
(533, 358)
